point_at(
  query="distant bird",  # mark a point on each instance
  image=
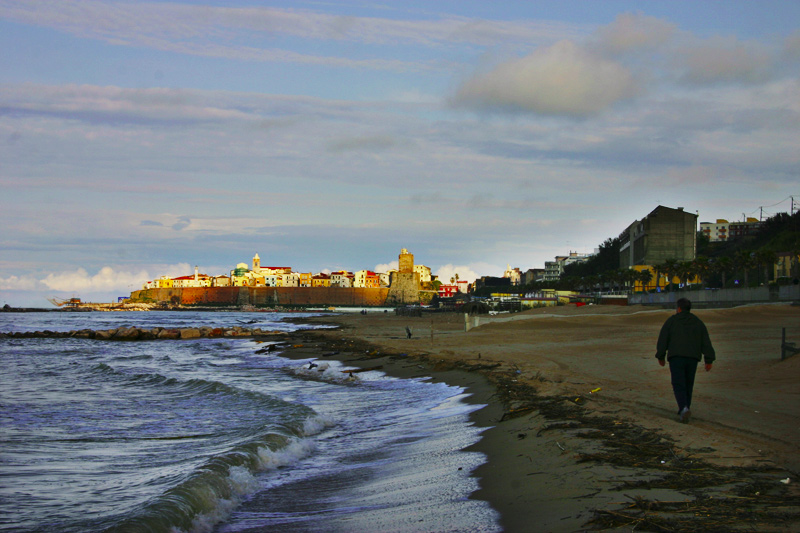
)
(312, 365)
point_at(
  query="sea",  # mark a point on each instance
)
(207, 435)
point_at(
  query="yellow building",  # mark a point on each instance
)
(321, 280)
(661, 282)
(163, 283)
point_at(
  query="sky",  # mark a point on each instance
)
(139, 139)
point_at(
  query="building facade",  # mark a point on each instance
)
(665, 233)
(715, 231)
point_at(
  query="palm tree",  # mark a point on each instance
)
(702, 267)
(744, 262)
(630, 277)
(590, 282)
(645, 276)
(723, 265)
(766, 259)
(685, 272)
(670, 268)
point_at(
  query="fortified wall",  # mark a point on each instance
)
(404, 290)
(405, 283)
(265, 296)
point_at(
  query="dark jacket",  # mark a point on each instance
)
(685, 335)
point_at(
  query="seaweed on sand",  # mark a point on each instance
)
(718, 498)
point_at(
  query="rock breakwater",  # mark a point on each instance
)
(142, 334)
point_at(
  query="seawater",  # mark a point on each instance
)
(206, 435)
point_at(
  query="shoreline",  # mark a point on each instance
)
(562, 457)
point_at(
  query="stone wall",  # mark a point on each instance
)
(265, 296)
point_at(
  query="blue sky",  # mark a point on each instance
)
(143, 138)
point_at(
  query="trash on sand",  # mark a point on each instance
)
(598, 389)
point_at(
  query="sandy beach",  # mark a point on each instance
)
(582, 427)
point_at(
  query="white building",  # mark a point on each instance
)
(716, 231)
(424, 273)
(342, 278)
(513, 274)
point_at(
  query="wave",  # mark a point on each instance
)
(199, 499)
(170, 384)
(215, 489)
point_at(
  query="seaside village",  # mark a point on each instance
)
(245, 275)
(651, 252)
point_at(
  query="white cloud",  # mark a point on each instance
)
(80, 281)
(465, 273)
(105, 279)
(386, 267)
(631, 32)
(562, 79)
(20, 283)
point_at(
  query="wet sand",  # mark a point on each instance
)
(583, 432)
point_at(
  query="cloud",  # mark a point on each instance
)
(367, 143)
(631, 32)
(154, 22)
(106, 279)
(791, 46)
(208, 30)
(20, 283)
(386, 267)
(182, 223)
(91, 103)
(723, 60)
(150, 223)
(465, 273)
(562, 79)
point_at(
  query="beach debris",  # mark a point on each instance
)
(560, 446)
(522, 436)
(266, 349)
(598, 389)
(359, 370)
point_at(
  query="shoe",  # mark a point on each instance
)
(685, 415)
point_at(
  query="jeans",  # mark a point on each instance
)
(683, 370)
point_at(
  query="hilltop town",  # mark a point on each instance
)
(654, 254)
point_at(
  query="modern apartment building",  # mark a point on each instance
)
(665, 233)
(715, 231)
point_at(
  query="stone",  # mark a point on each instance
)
(190, 333)
(126, 334)
(104, 334)
(169, 334)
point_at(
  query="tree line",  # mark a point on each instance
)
(743, 262)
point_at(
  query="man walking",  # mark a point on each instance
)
(684, 341)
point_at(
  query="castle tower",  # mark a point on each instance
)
(406, 262)
(256, 263)
(405, 284)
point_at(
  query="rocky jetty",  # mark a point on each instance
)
(125, 333)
